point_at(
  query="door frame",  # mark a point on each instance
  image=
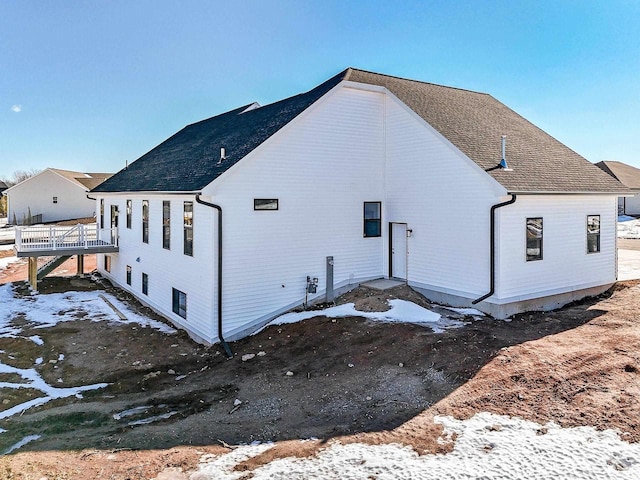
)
(406, 253)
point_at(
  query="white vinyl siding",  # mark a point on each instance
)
(566, 265)
(445, 199)
(168, 269)
(322, 168)
(35, 195)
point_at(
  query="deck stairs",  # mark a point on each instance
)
(51, 265)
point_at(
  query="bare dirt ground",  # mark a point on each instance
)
(353, 380)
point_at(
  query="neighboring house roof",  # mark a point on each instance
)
(86, 181)
(473, 122)
(3, 186)
(626, 174)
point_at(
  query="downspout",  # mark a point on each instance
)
(493, 247)
(225, 345)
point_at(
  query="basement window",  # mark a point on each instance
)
(534, 239)
(593, 233)
(265, 204)
(107, 263)
(128, 274)
(55, 199)
(372, 219)
(179, 303)
(145, 283)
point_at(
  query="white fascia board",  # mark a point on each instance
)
(207, 189)
(500, 189)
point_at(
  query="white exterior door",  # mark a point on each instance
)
(399, 250)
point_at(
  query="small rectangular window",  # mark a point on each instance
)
(166, 224)
(188, 228)
(593, 233)
(145, 221)
(145, 283)
(128, 274)
(101, 213)
(179, 303)
(129, 211)
(107, 263)
(265, 204)
(534, 239)
(372, 219)
(55, 199)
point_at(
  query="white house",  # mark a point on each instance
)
(630, 177)
(229, 222)
(52, 195)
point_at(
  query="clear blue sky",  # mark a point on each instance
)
(88, 85)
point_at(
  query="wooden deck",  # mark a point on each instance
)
(43, 240)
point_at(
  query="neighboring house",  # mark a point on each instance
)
(229, 222)
(52, 195)
(3, 186)
(630, 177)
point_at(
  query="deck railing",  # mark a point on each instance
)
(54, 237)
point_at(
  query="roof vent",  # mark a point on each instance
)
(503, 163)
(223, 155)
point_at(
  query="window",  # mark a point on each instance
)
(265, 204)
(372, 219)
(129, 211)
(188, 228)
(145, 221)
(179, 303)
(55, 199)
(593, 233)
(534, 239)
(107, 263)
(166, 224)
(128, 275)
(145, 283)
(101, 213)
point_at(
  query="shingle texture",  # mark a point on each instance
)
(189, 160)
(626, 174)
(473, 122)
(82, 179)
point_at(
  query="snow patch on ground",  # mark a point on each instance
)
(487, 446)
(21, 443)
(36, 382)
(6, 261)
(628, 227)
(48, 310)
(401, 311)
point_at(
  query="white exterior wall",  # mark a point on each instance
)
(445, 199)
(36, 195)
(630, 205)
(566, 266)
(322, 167)
(166, 269)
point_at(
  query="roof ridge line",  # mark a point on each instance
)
(413, 81)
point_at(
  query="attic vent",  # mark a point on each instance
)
(503, 163)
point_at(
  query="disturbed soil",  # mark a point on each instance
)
(347, 378)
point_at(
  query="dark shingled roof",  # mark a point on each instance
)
(188, 161)
(473, 122)
(626, 174)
